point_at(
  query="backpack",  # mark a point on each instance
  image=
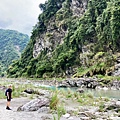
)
(6, 92)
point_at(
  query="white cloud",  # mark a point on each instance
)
(20, 15)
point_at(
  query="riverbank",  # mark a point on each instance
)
(73, 112)
(70, 105)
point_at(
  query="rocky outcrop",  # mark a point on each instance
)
(56, 29)
(90, 83)
(49, 40)
(81, 82)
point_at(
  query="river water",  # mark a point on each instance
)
(97, 93)
(109, 93)
(105, 93)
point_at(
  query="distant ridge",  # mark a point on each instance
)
(12, 43)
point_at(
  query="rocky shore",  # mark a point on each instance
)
(73, 105)
(38, 109)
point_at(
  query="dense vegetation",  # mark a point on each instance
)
(98, 30)
(12, 44)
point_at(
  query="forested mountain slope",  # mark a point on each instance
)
(12, 44)
(72, 38)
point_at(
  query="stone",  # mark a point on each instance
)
(80, 90)
(67, 115)
(34, 105)
(118, 103)
(43, 109)
(29, 91)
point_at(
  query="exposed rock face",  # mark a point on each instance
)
(116, 71)
(49, 40)
(56, 30)
(78, 7)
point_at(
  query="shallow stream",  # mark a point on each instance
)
(105, 93)
(97, 93)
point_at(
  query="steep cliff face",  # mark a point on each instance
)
(49, 39)
(56, 28)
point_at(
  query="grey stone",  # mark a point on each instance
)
(34, 105)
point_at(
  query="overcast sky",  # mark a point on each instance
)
(20, 15)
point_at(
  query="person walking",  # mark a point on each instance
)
(9, 96)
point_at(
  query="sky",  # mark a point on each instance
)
(20, 15)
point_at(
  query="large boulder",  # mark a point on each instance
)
(34, 105)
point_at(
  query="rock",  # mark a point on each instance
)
(87, 114)
(64, 84)
(46, 117)
(70, 118)
(92, 83)
(118, 103)
(85, 118)
(29, 91)
(72, 83)
(79, 83)
(44, 109)
(44, 93)
(117, 70)
(111, 107)
(90, 115)
(80, 90)
(114, 118)
(67, 115)
(34, 105)
(3, 88)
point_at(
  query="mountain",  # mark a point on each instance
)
(73, 38)
(12, 43)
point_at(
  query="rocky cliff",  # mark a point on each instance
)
(56, 28)
(73, 38)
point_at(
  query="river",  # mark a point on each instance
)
(109, 93)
